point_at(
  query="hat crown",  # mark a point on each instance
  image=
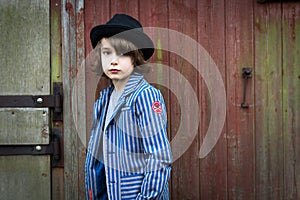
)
(126, 27)
(124, 20)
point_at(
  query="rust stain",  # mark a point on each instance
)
(45, 133)
(73, 72)
(69, 8)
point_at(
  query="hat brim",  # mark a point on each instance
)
(136, 36)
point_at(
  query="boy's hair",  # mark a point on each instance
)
(127, 48)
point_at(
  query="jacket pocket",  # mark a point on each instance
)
(131, 186)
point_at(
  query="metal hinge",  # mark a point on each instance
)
(49, 149)
(54, 101)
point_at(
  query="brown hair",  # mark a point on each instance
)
(127, 48)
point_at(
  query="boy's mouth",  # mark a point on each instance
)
(114, 70)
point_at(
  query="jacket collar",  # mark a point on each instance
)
(133, 81)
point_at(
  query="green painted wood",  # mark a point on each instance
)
(57, 174)
(25, 177)
(291, 99)
(269, 163)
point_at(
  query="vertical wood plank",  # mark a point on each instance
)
(79, 97)
(211, 36)
(69, 74)
(291, 98)
(185, 175)
(240, 121)
(25, 177)
(55, 25)
(268, 97)
(25, 47)
(96, 13)
(56, 76)
(129, 7)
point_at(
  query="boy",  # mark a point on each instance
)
(129, 155)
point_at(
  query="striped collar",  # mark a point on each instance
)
(133, 81)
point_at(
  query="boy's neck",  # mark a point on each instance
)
(120, 84)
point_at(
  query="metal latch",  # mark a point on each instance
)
(247, 74)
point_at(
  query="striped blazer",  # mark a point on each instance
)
(131, 157)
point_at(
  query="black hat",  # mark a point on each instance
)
(126, 27)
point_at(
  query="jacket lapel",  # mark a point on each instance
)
(132, 83)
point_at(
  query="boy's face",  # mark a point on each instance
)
(116, 67)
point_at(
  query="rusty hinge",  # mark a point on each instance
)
(54, 148)
(49, 149)
(54, 101)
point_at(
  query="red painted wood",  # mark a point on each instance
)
(258, 146)
(153, 15)
(95, 14)
(130, 7)
(211, 36)
(268, 102)
(185, 175)
(240, 121)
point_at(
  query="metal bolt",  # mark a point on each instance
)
(39, 100)
(38, 148)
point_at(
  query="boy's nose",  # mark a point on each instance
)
(114, 63)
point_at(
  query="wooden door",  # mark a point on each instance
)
(257, 153)
(25, 70)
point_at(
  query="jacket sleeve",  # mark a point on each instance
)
(152, 122)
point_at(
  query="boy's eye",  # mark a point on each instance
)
(106, 53)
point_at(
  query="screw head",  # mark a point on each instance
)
(39, 100)
(38, 148)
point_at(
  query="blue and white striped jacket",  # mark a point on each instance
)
(131, 157)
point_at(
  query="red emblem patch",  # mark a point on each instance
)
(156, 107)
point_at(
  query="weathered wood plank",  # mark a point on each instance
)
(55, 17)
(130, 7)
(153, 15)
(57, 182)
(25, 68)
(268, 97)
(25, 177)
(25, 44)
(240, 121)
(57, 179)
(79, 97)
(24, 126)
(185, 175)
(97, 13)
(211, 36)
(69, 71)
(291, 98)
